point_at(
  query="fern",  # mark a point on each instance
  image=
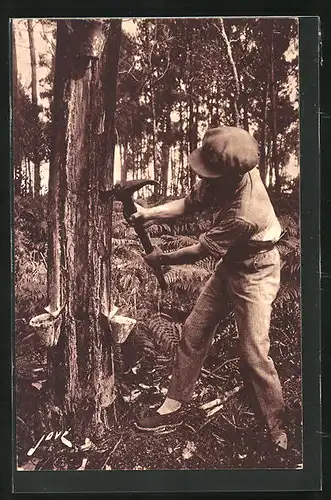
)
(187, 277)
(121, 229)
(288, 292)
(157, 229)
(165, 333)
(208, 264)
(171, 243)
(156, 340)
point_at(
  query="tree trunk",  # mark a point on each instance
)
(124, 167)
(166, 153)
(244, 99)
(29, 183)
(269, 171)
(181, 140)
(79, 250)
(32, 62)
(17, 154)
(236, 117)
(154, 136)
(273, 93)
(192, 120)
(36, 160)
(263, 163)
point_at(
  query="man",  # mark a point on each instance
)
(244, 232)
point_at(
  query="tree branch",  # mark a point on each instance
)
(234, 69)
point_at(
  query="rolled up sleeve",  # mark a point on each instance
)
(219, 239)
(195, 200)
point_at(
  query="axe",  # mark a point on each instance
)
(123, 191)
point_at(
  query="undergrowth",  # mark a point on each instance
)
(150, 348)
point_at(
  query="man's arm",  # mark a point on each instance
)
(186, 255)
(173, 209)
(216, 242)
(169, 210)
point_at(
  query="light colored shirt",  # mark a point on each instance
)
(242, 212)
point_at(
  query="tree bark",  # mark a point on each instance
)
(154, 135)
(17, 154)
(263, 162)
(33, 62)
(81, 166)
(244, 99)
(36, 160)
(273, 93)
(29, 178)
(124, 166)
(166, 152)
(192, 120)
(236, 116)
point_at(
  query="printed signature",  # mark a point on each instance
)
(51, 436)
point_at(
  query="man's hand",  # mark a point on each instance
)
(140, 214)
(153, 259)
(169, 210)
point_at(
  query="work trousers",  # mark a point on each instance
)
(252, 285)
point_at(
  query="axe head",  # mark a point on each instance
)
(122, 191)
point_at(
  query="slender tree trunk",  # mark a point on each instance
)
(154, 134)
(192, 120)
(244, 99)
(25, 178)
(165, 168)
(236, 116)
(269, 163)
(124, 166)
(17, 154)
(273, 94)
(36, 160)
(192, 139)
(79, 254)
(166, 153)
(33, 62)
(210, 107)
(29, 178)
(181, 141)
(263, 164)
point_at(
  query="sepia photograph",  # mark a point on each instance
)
(157, 256)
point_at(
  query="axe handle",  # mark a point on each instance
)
(129, 209)
(148, 247)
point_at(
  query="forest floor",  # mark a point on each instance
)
(231, 438)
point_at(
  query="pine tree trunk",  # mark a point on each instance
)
(36, 160)
(78, 260)
(124, 167)
(192, 118)
(181, 140)
(269, 170)
(165, 168)
(263, 164)
(244, 99)
(236, 116)
(273, 93)
(29, 178)
(17, 156)
(154, 136)
(166, 153)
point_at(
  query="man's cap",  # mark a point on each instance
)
(225, 149)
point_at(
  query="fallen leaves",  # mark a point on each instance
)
(83, 466)
(88, 445)
(189, 450)
(30, 465)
